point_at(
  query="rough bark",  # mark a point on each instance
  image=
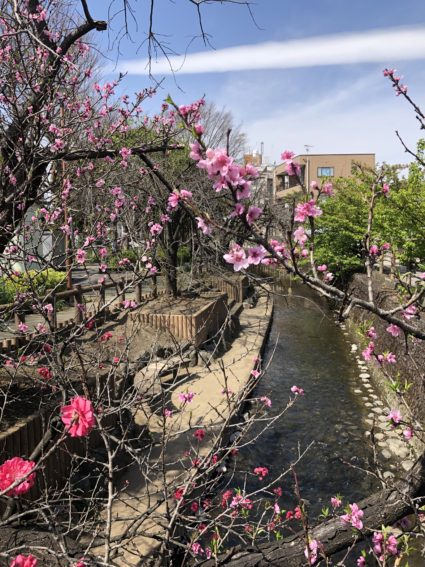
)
(42, 544)
(382, 508)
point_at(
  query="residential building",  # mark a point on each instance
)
(317, 167)
(263, 187)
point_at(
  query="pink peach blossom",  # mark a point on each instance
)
(237, 257)
(410, 312)
(311, 552)
(261, 472)
(308, 209)
(395, 417)
(80, 256)
(203, 226)
(253, 214)
(354, 517)
(14, 469)
(186, 397)
(24, 561)
(256, 254)
(78, 416)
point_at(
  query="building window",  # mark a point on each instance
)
(325, 172)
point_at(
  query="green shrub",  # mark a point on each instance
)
(113, 260)
(32, 281)
(183, 255)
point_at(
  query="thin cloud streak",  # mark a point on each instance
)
(384, 45)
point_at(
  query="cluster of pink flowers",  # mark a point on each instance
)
(176, 196)
(384, 545)
(354, 517)
(14, 469)
(179, 493)
(106, 337)
(292, 167)
(294, 514)
(300, 236)
(410, 312)
(186, 397)
(266, 401)
(129, 304)
(224, 172)
(199, 434)
(78, 416)
(297, 391)
(23, 327)
(81, 256)
(408, 433)
(308, 209)
(240, 501)
(198, 550)
(311, 552)
(387, 357)
(327, 189)
(336, 502)
(261, 472)
(368, 351)
(371, 333)
(156, 229)
(386, 189)
(191, 112)
(241, 259)
(398, 86)
(24, 561)
(327, 276)
(45, 373)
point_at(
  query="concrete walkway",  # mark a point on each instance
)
(209, 409)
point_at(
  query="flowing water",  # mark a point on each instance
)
(308, 349)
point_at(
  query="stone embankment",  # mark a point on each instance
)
(395, 454)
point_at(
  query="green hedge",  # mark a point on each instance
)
(113, 259)
(32, 281)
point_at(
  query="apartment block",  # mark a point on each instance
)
(317, 167)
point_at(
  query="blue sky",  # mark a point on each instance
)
(332, 97)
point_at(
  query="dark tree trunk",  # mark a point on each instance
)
(171, 244)
(171, 269)
(382, 508)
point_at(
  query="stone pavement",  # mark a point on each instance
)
(210, 409)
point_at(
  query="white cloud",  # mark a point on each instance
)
(362, 127)
(354, 115)
(383, 45)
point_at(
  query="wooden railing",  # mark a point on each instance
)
(77, 293)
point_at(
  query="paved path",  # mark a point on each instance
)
(209, 409)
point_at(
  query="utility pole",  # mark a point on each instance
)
(307, 169)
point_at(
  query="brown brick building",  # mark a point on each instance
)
(316, 167)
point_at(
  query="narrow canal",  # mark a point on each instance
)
(306, 348)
